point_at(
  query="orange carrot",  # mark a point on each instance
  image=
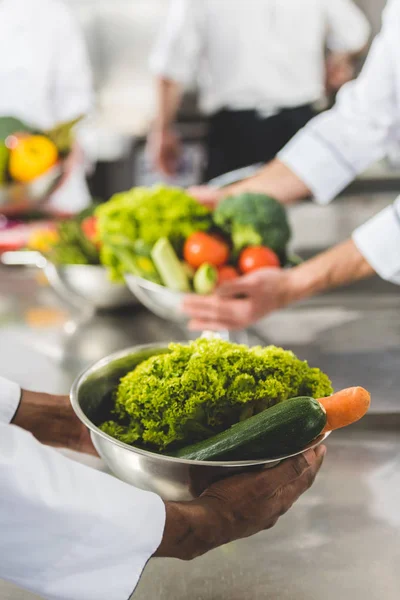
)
(345, 407)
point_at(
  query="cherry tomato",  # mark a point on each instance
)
(89, 228)
(257, 257)
(203, 248)
(227, 273)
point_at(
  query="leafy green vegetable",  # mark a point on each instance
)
(143, 216)
(4, 156)
(254, 220)
(73, 247)
(201, 389)
(10, 125)
(62, 135)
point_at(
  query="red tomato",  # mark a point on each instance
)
(227, 274)
(203, 248)
(89, 228)
(257, 257)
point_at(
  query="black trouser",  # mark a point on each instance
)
(238, 139)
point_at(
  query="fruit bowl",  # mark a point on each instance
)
(173, 479)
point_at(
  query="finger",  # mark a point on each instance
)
(213, 308)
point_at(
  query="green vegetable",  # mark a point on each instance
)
(144, 215)
(205, 279)
(4, 156)
(172, 274)
(62, 135)
(73, 247)
(11, 125)
(198, 390)
(283, 429)
(254, 220)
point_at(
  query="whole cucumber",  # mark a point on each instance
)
(282, 429)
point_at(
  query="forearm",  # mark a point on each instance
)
(47, 417)
(337, 267)
(276, 180)
(169, 95)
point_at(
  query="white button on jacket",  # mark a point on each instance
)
(361, 129)
(68, 532)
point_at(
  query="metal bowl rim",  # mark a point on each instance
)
(153, 287)
(88, 423)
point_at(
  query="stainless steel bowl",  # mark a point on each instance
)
(78, 285)
(171, 478)
(163, 302)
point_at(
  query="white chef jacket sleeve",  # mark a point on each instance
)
(379, 242)
(348, 29)
(10, 394)
(69, 532)
(73, 85)
(341, 143)
(177, 52)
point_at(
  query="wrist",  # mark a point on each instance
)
(191, 529)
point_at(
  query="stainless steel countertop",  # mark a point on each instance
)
(342, 540)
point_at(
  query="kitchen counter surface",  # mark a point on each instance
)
(342, 540)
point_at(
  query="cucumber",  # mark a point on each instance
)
(282, 429)
(169, 267)
(205, 280)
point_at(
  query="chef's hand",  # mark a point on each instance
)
(208, 196)
(53, 422)
(237, 507)
(241, 302)
(165, 150)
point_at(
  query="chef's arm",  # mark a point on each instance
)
(52, 421)
(168, 98)
(164, 145)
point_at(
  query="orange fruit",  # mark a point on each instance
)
(31, 157)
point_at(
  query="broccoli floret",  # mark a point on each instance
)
(254, 220)
(136, 219)
(197, 390)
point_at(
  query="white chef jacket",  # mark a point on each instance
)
(256, 54)
(45, 76)
(361, 129)
(68, 532)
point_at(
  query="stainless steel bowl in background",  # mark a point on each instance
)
(82, 286)
(171, 478)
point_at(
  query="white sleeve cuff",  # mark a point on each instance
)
(378, 240)
(317, 164)
(10, 395)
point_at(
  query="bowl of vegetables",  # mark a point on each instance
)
(69, 255)
(31, 162)
(165, 244)
(172, 419)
